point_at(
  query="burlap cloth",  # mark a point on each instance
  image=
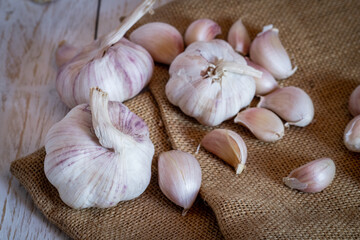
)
(323, 38)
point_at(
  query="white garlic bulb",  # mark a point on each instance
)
(352, 135)
(211, 82)
(267, 51)
(179, 177)
(112, 63)
(100, 155)
(354, 102)
(202, 30)
(238, 37)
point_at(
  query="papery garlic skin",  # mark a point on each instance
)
(227, 145)
(210, 82)
(161, 40)
(179, 177)
(352, 135)
(267, 51)
(65, 53)
(263, 123)
(354, 102)
(238, 37)
(292, 104)
(312, 177)
(201, 30)
(89, 172)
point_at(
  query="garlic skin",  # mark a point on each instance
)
(210, 82)
(161, 40)
(227, 145)
(266, 83)
(267, 51)
(238, 37)
(179, 177)
(263, 123)
(98, 155)
(116, 65)
(354, 102)
(352, 135)
(65, 53)
(292, 104)
(312, 177)
(202, 30)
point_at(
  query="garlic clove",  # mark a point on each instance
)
(312, 177)
(161, 40)
(179, 177)
(352, 135)
(266, 83)
(267, 51)
(227, 145)
(263, 123)
(354, 102)
(238, 37)
(65, 53)
(202, 30)
(292, 104)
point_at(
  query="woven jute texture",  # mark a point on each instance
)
(323, 40)
(150, 216)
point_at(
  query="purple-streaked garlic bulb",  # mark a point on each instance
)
(99, 154)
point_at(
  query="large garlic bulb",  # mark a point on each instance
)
(211, 82)
(99, 155)
(112, 63)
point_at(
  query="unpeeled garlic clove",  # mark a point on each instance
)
(179, 177)
(227, 145)
(65, 52)
(238, 37)
(267, 51)
(312, 177)
(263, 123)
(161, 40)
(202, 30)
(352, 135)
(354, 102)
(292, 104)
(266, 83)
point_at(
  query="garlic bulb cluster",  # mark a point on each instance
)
(202, 30)
(211, 82)
(179, 177)
(98, 155)
(112, 63)
(227, 145)
(354, 102)
(238, 37)
(312, 177)
(161, 40)
(352, 135)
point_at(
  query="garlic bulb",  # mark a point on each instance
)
(263, 123)
(238, 37)
(64, 53)
(227, 145)
(202, 30)
(161, 40)
(292, 104)
(210, 82)
(179, 177)
(312, 177)
(267, 51)
(354, 102)
(266, 83)
(352, 135)
(100, 155)
(112, 63)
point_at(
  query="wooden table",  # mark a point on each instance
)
(29, 103)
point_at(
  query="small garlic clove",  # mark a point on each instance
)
(65, 53)
(267, 51)
(292, 104)
(354, 102)
(161, 40)
(179, 177)
(266, 83)
(312, 177)
(228, 146)
(263, 123)
(352, 135)
(202, 30)
(238, 37)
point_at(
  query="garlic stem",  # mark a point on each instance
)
(234, 67)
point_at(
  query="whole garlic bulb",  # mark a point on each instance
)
(112, 63)
(211, 82)
(98, 155)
